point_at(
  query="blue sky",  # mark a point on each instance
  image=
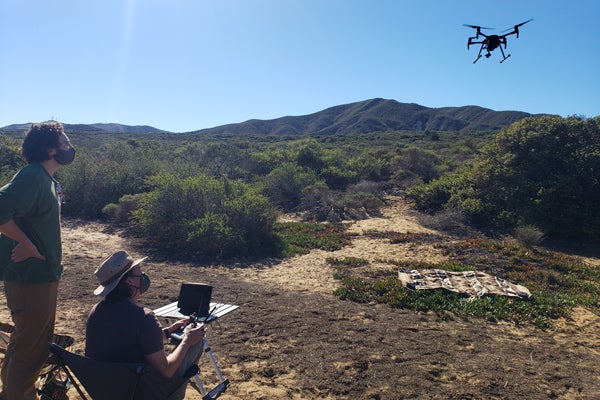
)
(183, 65)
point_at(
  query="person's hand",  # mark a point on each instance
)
(179, 325)
(194, 334)
(25, 250)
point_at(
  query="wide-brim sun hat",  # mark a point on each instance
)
(110, 272)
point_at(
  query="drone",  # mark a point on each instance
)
(491, 42)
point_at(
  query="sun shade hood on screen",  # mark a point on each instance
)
(194, 298)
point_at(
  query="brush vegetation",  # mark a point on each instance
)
(214, 195)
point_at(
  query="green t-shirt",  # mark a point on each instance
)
(31, 200)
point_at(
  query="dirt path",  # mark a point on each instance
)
(292, 339)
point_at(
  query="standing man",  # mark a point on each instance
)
(31, 255)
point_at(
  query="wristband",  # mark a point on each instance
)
(166, 332)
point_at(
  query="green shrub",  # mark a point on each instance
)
(433, 196)
(213, 235)
(420, 162)
(285, 183)
(202, 216)
(101, 176)
(338, 177)
(10, 159)
(371, 165)
(112, 211)
(123, 211)
(319, 202)
(357, 204)
(529, 235)
(310, 155)
(540, 171)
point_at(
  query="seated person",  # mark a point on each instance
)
(120, 330)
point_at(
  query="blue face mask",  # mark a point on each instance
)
(65, 157)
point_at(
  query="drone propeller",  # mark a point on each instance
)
(516, 27)
(523, 23)
(479, 27)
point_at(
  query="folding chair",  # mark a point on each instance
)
(109, 381)
(51, 384)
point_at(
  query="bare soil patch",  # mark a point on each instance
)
(292, 339)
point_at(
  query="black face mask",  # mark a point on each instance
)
(65, 157)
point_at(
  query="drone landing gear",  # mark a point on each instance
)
(503, 56)
(479, 54)
(486, 56)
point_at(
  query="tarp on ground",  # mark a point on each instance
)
(472, 283)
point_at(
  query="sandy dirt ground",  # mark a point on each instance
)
(291, 338)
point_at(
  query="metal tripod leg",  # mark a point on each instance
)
(223, 383)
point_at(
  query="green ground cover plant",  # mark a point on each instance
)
(558, 283)
(301, 237)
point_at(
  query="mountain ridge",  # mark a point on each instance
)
(376, 115)
(366, 116)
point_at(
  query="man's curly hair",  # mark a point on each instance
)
(39, 139)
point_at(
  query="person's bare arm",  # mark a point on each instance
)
(168, 364)
(25, 248)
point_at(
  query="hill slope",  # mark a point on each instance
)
(376, 115)
(90, 128)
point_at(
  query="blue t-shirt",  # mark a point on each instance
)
(121, 331)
